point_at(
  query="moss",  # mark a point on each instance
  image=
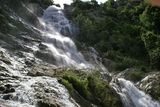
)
(67, 85)
(91, 87)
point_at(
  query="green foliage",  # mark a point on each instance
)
(129, 28)
(150, 36)
(136, 76)
(123, 62)
(91, 87)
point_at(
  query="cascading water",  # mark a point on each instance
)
(131, 95)
(62, 48)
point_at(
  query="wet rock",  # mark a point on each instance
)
(2, 68)
(4, 58)
(46, 56)
(151, 85)
(43, 70)
(30, 63)
(2, 88)
(65, 31)
(35, 8)
(6, 88)
(47, 104)
(8, 85)
(7, 96)
(42, 46)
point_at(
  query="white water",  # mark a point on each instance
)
(131, 95)
(63, 48)
(28, 90)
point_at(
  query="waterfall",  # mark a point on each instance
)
(62, 47)
(27, 91)
(131, 95)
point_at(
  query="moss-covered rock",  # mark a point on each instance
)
(92, 88)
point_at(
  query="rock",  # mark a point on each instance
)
(8, 89)
(7, 96)
(46, 56)
(2, 68)
(2, 88)
(35, 8)
(4, 58)
(47, 104)
(42, 46)
(8, 86)
(151, 85)
(58, 5)
(66, 31)
(42, 70)
(29, 63)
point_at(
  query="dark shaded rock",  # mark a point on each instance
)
(36, 9)
(42, 46)
(65, 31)
(29, 63)
(12, 90)
(8, 85)
(47, 104)
(3, 68)
(2, 88)
(7, 89)
(4, 58)
(46, 56)
(7, 96)
(58, 5)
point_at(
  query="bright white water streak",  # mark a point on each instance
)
(63, 48)
(132, 96)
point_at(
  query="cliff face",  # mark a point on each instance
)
(20, 38)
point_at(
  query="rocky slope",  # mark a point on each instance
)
(28, 73)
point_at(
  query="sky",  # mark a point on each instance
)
(61, 2)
